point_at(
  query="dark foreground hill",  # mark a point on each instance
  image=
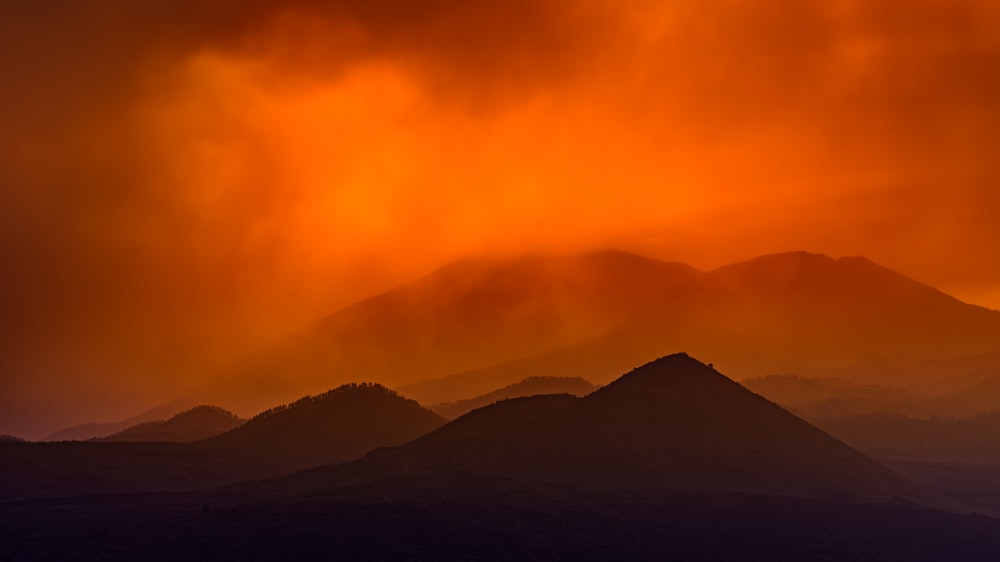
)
(339, 425)
(670, 462)
(530, 386)
(673, 425)
(200, 422)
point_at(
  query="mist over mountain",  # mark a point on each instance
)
(481, 324)
(92, 430)
(530, 386)
(470, 314)
(818, 398)
(798, 313)
(200, 422)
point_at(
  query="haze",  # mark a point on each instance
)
(181, 184)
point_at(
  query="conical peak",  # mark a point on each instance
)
(670, 371)
(670, 365)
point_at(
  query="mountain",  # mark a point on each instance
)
(336, 426)
(799, 313)
(466, 315)
(530, 386)
(10, 439)
(480, 324)
(200, 422)
(672, 425)
(670, 461)
(816, 311)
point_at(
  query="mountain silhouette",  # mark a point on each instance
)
(336, 426)
(673, 425)
(670, 461)
(200, 422)
(530, 386)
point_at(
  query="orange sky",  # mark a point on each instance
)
(182, 180)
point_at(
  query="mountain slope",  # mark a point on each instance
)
(200, 422)
(816, 310)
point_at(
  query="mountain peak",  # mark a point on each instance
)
(339, 424)
(673, 424)
(671, 372)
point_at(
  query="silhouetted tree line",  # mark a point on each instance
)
(308, 399)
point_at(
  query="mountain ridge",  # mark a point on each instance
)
(671, 425)
(200, 422)
(487, 323)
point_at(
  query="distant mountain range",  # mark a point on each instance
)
(530, 386)
(200, 422)
(817, 398)
(477, 325)
(93, 430)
